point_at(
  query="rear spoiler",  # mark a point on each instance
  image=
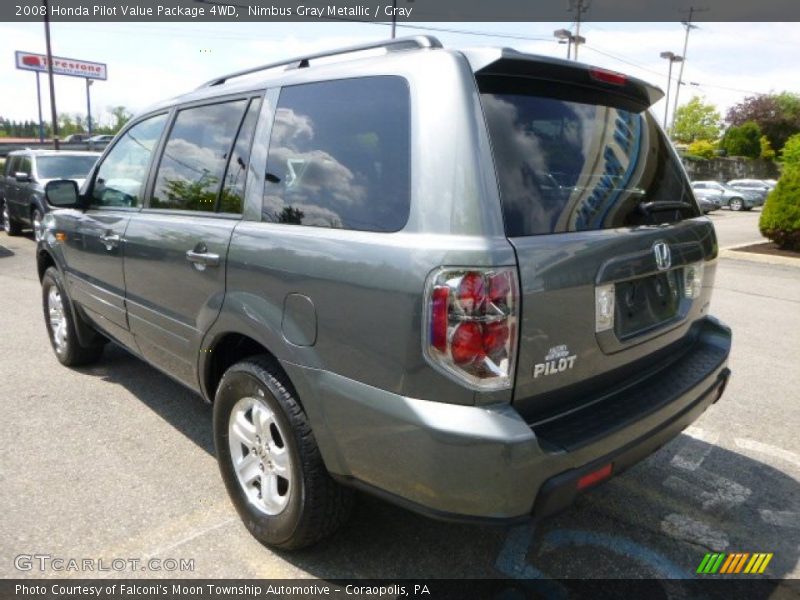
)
(498, 62)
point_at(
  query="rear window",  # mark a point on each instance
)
(565, 165)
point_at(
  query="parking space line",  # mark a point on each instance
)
(781, 518)
(768, 450)
(681, 527)
(692, 454)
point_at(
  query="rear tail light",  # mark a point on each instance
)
(471, 325)
(606, 76)
(693, 280)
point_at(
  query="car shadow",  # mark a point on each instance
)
(173, 402)
(657, 520)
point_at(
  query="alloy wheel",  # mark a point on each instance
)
(58, 321)
(260, 455)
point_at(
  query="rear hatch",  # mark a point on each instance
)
(609, 240)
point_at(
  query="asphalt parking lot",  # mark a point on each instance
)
(117, 460)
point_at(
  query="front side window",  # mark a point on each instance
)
(24, 165)
(231, 198)
(64, 167)
(195, 155)
(571, 163)
(339, 155)
(122, 175)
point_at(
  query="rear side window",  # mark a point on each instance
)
(339, 155)
(567, 165)
(192, 167)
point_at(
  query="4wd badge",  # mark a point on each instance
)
(558, 359)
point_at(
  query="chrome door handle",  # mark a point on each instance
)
(110, 241)
(205, 259)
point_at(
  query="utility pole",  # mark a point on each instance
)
(50, 73)
(688, 25)
(578, 7)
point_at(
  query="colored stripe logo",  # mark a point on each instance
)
(734, 563)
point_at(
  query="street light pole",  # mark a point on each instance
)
(672, 58)
(39, 103)
(88, 106)
(53, 113)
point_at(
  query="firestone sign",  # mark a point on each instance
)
(30, 61)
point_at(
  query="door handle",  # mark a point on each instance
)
(109, 240)
(202, 259)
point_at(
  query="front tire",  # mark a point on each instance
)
(736, 204)
(270, 462)
(10, 226)
(58, 318)
(36, 223)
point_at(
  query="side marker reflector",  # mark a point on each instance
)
(595, 477)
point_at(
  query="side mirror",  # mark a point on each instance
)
(22, 177)
(62, 193)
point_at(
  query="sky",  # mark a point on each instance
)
(148, 62)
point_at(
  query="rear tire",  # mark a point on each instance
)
(736, 204)
(58, 318)
(270, 462)
(10, 225)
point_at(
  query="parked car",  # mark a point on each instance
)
(755, 186)
(76, 137)
(98, 142)
(735, 199)
(707, 204)
(23, 181)
(477, 317)
(771, 183)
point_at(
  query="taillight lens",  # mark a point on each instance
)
(471, 325)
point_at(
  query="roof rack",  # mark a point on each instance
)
(301, 62)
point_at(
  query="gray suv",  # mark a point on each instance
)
(23, 180)
(473, 283)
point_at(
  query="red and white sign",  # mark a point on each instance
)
(31, 61)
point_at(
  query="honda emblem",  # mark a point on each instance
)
(663, 256)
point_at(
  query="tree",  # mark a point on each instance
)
(767, 153)
(790, 155)
(702, 149)
(121, 115)
(778, 115)
(742, 141)
(780, 217)
(696, 120)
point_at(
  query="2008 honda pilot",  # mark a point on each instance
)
(474, 283)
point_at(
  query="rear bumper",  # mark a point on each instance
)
(471, 463)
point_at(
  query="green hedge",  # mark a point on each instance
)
(780, 218)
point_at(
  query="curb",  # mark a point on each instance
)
(731, 252)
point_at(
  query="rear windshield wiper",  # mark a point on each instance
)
(650, 207)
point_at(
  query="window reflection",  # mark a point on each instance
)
(569, 166)
(122, 174)
(339, 155)
(195, 156)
